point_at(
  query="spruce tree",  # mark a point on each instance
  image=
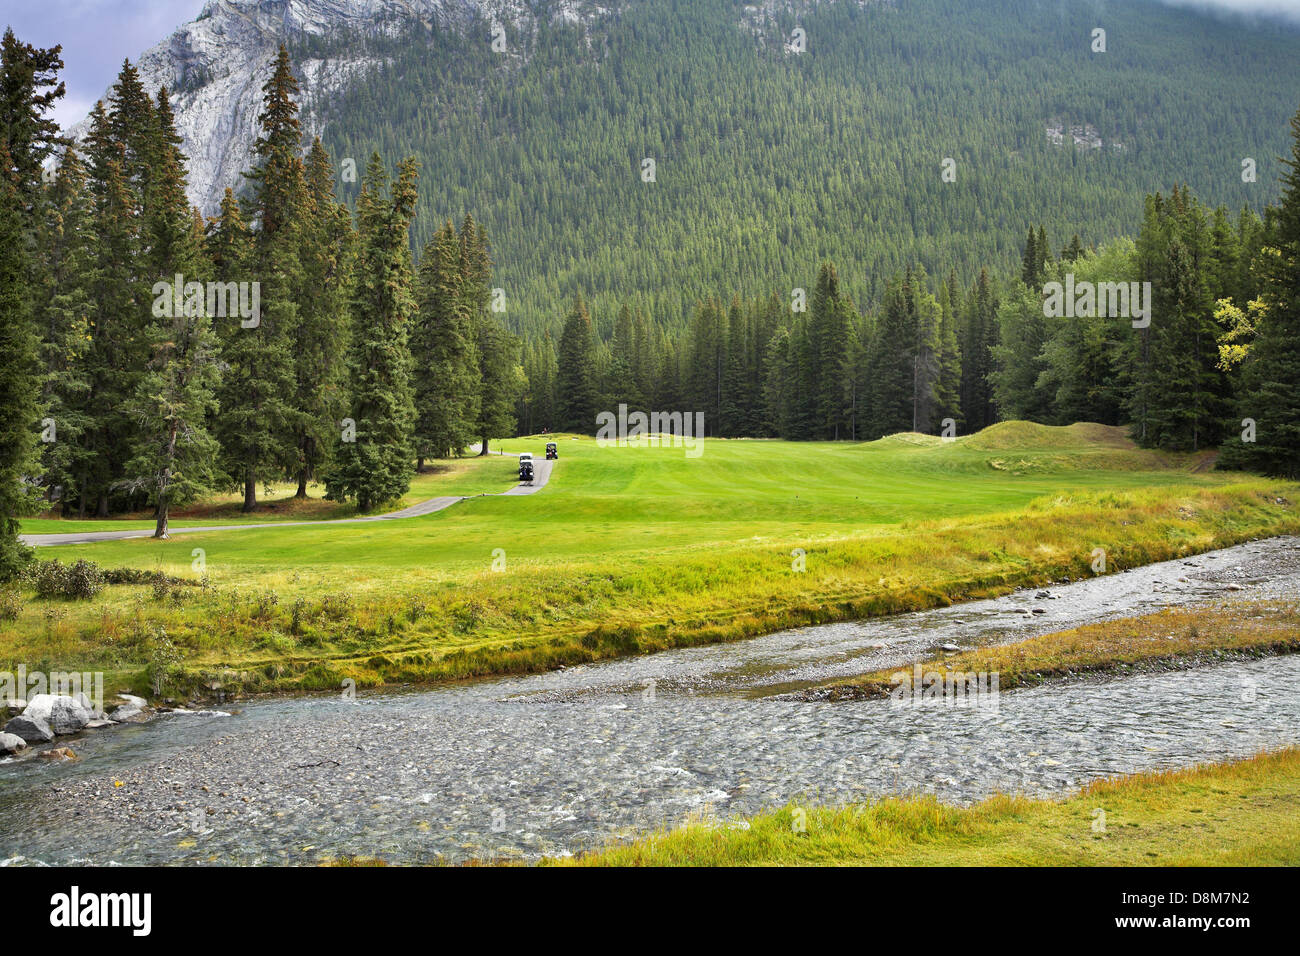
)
(376, 467)
(948, 384)
(118, 343)
(444, 350)
(29, 88)
(576, 381)
(1272, 378)
(64, 241)
(260, 423)
(499, 375)
(174, 457)
(890, 364)
(18, 371)
(321, 332)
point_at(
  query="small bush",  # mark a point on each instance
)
(52, 579)
(11, 604)
(337, 606)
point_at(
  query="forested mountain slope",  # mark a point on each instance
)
(768, 161)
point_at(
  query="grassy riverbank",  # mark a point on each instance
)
(631, 550)
(1231, 814)
(1172, 638)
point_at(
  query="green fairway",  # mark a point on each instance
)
(632, 500)
(634, 548)
(468, 476)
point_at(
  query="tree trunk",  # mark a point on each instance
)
(419, 465)
(101, 510)
(160, 530)
(250, 491)
(302, 484)
(484, 450)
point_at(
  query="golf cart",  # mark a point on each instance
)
(526, 467)
(552, 450)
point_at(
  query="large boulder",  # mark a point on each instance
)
(96, 713)
(65, 715)
(34, 730)
(10, 744)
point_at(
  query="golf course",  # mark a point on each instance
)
(627, 550)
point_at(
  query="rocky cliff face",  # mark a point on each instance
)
(214, 67)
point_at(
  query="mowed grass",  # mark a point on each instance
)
(463, 476)
(1232, 814)
(634, 549)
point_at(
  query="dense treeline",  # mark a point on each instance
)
(1190, 334)
(767, 162)
(160, 357)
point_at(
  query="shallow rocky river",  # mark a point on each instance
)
(561, 762)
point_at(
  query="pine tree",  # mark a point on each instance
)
(948, 386)
(117, 352)
(828, 332)
(1031, 261)
(444, 350)
(175, 457)
(1272, 377)
(500, 377)
(29, 88)
(261, 423)
(979, 336)
(1018, 358)
(18, 375)
(377, 466)
(64, 241)
(321, 332)
(892, 354)
(576, 392)
(927, 368)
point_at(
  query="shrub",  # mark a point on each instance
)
(52, 579)
(11, 604)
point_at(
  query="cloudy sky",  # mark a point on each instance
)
(98, 34)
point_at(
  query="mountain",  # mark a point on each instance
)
(215, 66)
(782, 133)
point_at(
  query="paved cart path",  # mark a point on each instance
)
(541, 470)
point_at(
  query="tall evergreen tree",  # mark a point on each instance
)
(174, 457)
(444, 349)
(499, 375)
(321, 332)
(18, 373)
(260, 421)
(1272, 378)
(576, 391)
(64, 240)
(376, 467)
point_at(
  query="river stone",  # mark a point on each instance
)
(11, 743)
(34, 730)
(127, 712)
(96, 713)
(65, 715)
